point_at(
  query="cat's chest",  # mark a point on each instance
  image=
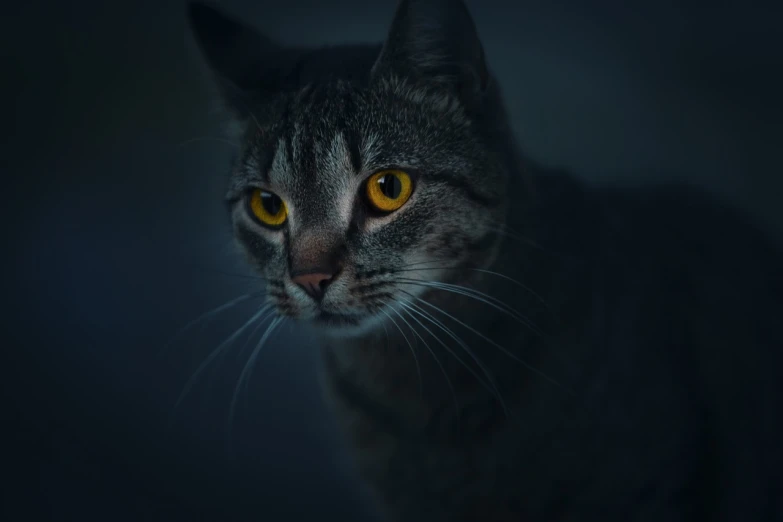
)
(558, 448)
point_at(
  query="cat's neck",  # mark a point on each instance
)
(490, 331)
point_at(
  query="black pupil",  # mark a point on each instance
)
(390, 186)
(271, 203)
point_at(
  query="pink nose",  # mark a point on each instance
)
(314, 283)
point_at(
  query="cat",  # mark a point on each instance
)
(502, 342)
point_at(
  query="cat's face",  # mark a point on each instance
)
(349, 197)
(355, 195)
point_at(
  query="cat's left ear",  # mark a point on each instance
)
(248, 67)
(435, 41)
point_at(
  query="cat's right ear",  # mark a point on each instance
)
(435, 41)
(244, 62)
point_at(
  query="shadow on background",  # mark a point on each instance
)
(116, 235)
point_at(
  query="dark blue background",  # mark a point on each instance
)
(115, 235)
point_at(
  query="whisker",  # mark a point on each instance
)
(505, 230)
(222, 346)
(479, 296)
(253, 332)
(421, 263)
(443, 344)
(492, 386)
(244, 377)
(434, 356)
(422, 269)
(512, 280)
(410, 345)
(480, 270)
(493, 343)
(207, 316)
(253, 117)
(276, 322)
(267, 314)
(386, 334)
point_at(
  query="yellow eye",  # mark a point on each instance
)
(268, 208)
(388, 190)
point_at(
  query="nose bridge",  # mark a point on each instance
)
(315, 251)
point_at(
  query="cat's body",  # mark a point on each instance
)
(622, 361)
(673, 381)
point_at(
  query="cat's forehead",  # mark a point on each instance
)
(325, 139)
(315, 151)
(336, 130)
(315, 172)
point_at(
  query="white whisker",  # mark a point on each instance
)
(413, 352)
(490, 341)
(222, 346)
(244, 376)
(207, 316)
(490, 384)
(434, 356)
(479, 296)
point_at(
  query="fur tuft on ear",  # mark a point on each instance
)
(435, 41)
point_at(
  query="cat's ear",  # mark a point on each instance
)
(246, 64)
(435, 41)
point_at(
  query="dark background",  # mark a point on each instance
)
(115, 235)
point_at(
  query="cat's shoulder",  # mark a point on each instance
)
(689, 226)
(665, 221)
(674, 243)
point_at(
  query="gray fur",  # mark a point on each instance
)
(611, 388)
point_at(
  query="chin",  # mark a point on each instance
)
(345, 325)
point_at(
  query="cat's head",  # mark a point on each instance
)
(365, 172)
